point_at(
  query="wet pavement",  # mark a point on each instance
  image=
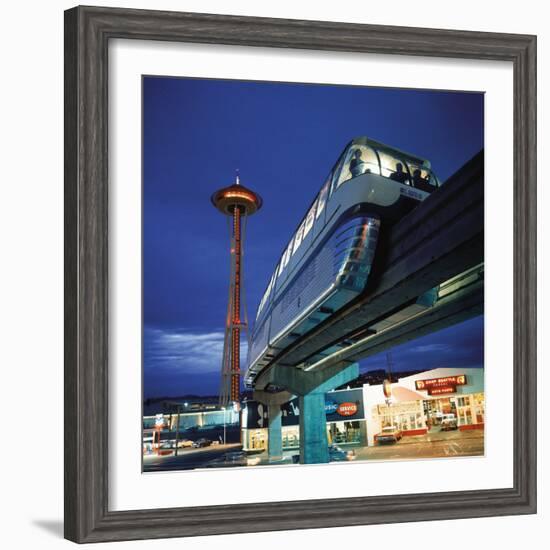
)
(188, 458)
(435, 444)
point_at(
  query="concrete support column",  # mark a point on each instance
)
(311, 387)
(313, 429)
(275, 436)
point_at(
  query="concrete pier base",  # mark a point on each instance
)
(311, 387)
(273, 401)
(275, 435)
(313, 429)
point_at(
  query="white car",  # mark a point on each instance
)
(449, 422)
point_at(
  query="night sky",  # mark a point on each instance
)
(284, 139)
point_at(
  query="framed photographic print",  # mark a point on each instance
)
(295, 251)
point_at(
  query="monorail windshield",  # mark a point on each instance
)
(364, 156)
(361, 156)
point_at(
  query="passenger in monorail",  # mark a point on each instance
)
(357, 165)
(399, 175)
(421, 183)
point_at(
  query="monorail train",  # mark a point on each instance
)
(328, 260)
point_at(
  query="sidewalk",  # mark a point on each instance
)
(437, 436)
(287, 458)
(456, 442)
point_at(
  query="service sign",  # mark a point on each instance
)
(347, 409)
(446, 382)
(346, 405)
(340, 406)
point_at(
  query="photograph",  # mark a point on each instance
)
(273, 274)
(305, 300)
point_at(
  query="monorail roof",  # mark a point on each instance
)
(364, 140)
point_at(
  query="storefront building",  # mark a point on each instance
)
(211, 422)
(416, 404)
(190, 420)
(346, 424)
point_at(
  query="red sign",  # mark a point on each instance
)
(441, 383)
(346, 409)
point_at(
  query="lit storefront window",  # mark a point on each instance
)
(291, 437)
(405, 416)
(470, 409)
(342, 433)
(257, 439)
(479, 403)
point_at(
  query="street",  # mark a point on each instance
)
(188, 458)
(437, 444)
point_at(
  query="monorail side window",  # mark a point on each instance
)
(322, 197)
(298, 237)
(286, 256)
(281, 265)
(309, 219)
(394, 168)
(266, 295)
(335, 175)
(359, 160)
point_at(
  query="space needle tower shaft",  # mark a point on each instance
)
(237, 202)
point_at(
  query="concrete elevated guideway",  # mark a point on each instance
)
(439, 245)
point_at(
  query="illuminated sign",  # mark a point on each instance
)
(159, 421)
(442, 391)
(445, 383)
(347, 409)
(340, 406)
(344, 405)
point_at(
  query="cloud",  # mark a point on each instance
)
(184, 352)
(428, 348)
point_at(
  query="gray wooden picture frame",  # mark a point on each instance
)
(87, 34)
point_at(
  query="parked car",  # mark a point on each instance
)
(337, 454)
(449, 422)
(202, 442)
(182, 443)
(171, 443)
(389, 434)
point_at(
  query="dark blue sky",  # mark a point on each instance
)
(284, 138)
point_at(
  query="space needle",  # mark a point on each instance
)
(237, 203)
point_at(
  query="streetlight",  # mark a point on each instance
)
(177, 431)
(223, 409)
